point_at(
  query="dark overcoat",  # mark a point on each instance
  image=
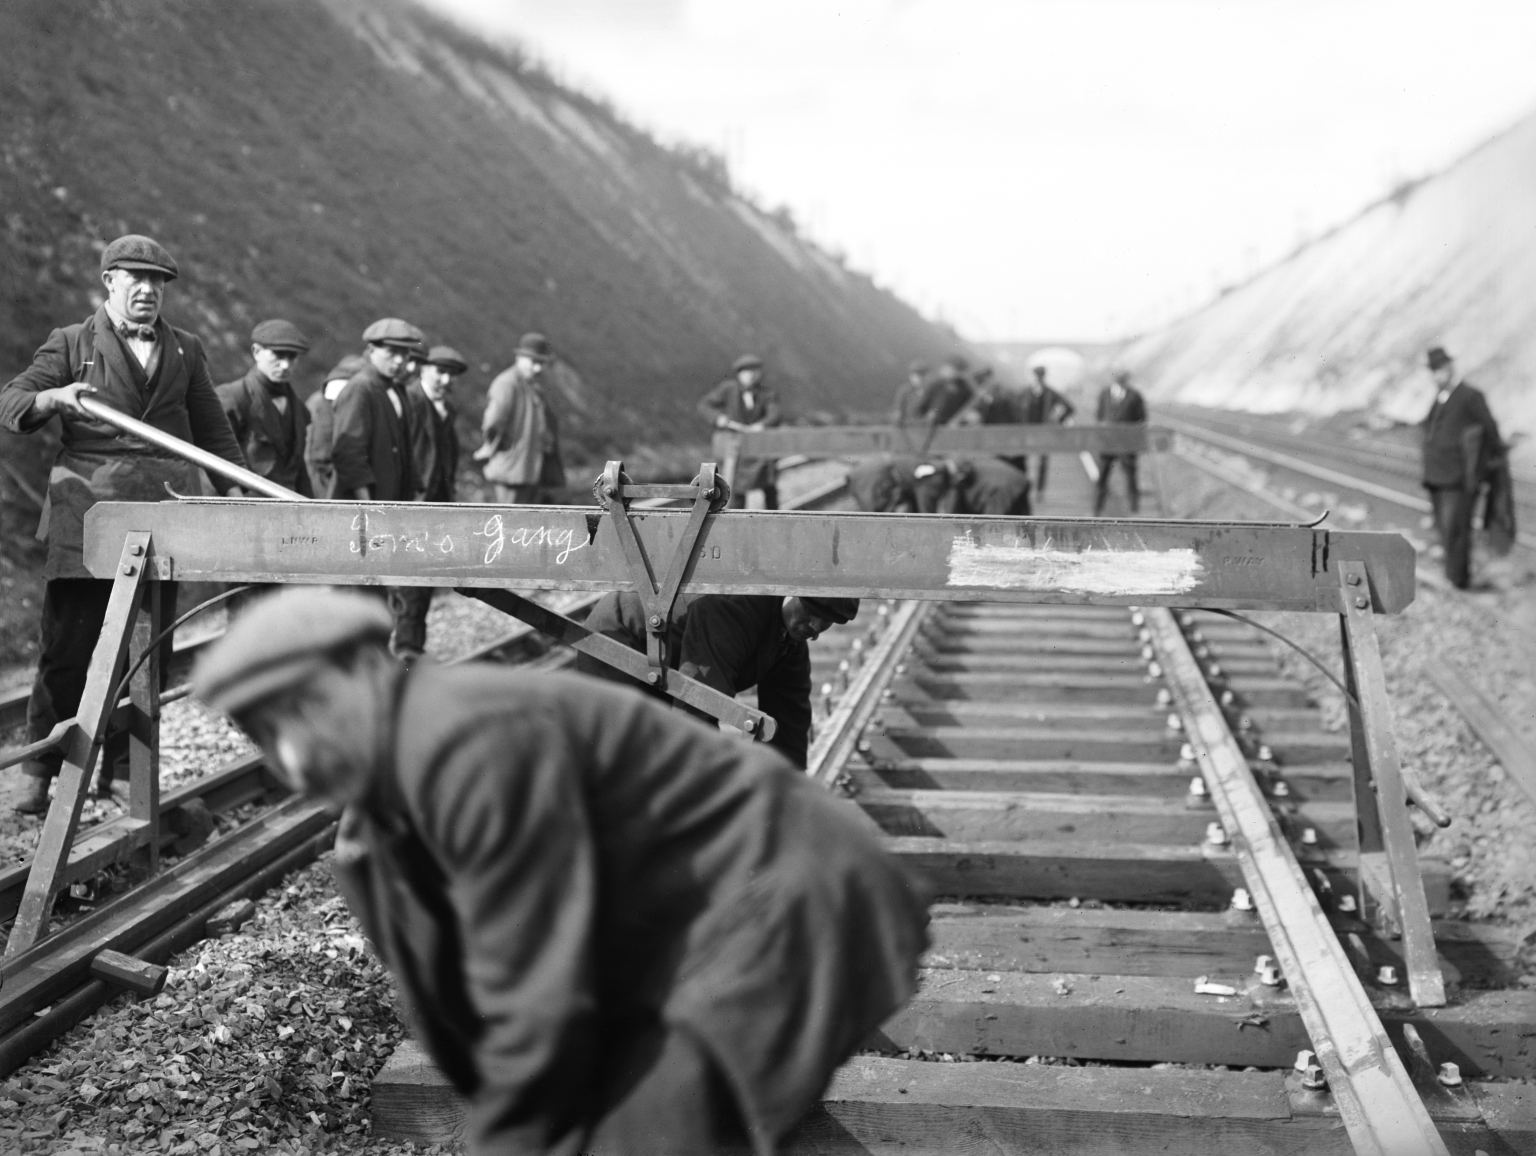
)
(1037, 404)
(317, 446)
(1129, 408)
(273, 442)
(95, 462)
(729, 642)
(554, 864)
(371, 443)
(434, 445)
(1461, 439)
(728, 399)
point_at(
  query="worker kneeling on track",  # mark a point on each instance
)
(732, 642)
(617, 931)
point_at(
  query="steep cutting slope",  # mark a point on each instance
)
(1344, 322)
(336, 160)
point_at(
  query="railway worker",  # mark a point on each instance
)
(435, 452)
(520, 430)
(733, 642)
(264, 412)
(322, 425)
(903, 485)
(909, 395)
(1120, 403)
(1462, 451)
(743, 402)
(614, 929)
(371, 444)
(131, 358)
(947, 395)
(1040, 405)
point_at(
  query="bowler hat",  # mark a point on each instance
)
(746, 361)
(1438, 357)
(281, 641)
(838, 610)
(536, 346)
(447, 357)
(134, 251)
(281, 336)
(346, 367)
(395, 333)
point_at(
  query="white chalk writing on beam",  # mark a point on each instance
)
(495, 532)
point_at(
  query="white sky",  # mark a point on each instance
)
(1052, 168)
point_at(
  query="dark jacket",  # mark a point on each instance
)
(434, 445)
(909, 396)
(96, 464)
(273, 442)
(1461, 439)
(1037, 404)
(371, 445)
(1129, 408)
(729, 642)
(890, 485)
(317, 446)
(727, 400)
(942, 399)
(555, 865)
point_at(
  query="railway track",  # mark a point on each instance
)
(1113, 969)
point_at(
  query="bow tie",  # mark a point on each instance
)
(131, 332)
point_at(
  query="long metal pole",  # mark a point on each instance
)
(198, 457)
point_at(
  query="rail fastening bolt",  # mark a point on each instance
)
(1347, 905)
(1281, 789)
(1202, 652)
(1450, 1075)
(1175, 723)
(1303, 1058)
(1228, 698)
(887, 694)
(1214, 670)
(1353, 579)
(1197, 787)
(1215, 834)
(1265, 754)
(1269, 975)
(901, 668)
(1187, 753)
(655, 619)
(864, 747)
(129, 569)
(1148, 654)
(1241, 900)
(1164, 696)
(1309, 836)
(1362, 602)
(1155, 669)
(1313, 1079)
(1386, 975)
(1262, 962)
(1139, 619)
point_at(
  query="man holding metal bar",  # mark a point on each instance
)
(128, 356)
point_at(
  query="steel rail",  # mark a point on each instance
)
(1371, 1086)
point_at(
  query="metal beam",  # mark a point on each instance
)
(1370, 1085)
(938, 557)
(923, 440)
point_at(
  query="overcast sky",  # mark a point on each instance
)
(1052, 168)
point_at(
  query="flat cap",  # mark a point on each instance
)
(746, 361)
(393, 332)
(281, 641)
(1438, 357)
(283, 336)
(838, 610)
(536, 346)
(447, 357)
(344, 369)
(135, 251)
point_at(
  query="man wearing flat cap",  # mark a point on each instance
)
(732, 642)
(615, 930)
(269, 423)
(743, 402)
(909, 395)
(435, 453)
(1039, 404)
(520, 430)
(371, 443)
(127, 356)
(1462, 453)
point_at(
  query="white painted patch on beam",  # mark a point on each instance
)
(1019, 566)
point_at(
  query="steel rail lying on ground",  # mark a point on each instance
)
(924, 440)
(1376, 1098)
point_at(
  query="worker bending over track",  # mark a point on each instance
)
(615, 930)
(732, 642)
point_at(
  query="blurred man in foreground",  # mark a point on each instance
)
(521, 432)
(130, 358)
(615, 930)
(1462, 452)
(731, 643)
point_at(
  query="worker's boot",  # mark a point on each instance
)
(34, 795)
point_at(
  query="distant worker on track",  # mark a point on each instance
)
(1462, 453)
(1119, 404)
(129, 357)
(264, 412)
(947, 394)
(371, 446)
(909, 395)
(521, 431)
(435, 459)
(731, 643)
(615, 930)
(1039, 404)
(743, 402)
(322, 425)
